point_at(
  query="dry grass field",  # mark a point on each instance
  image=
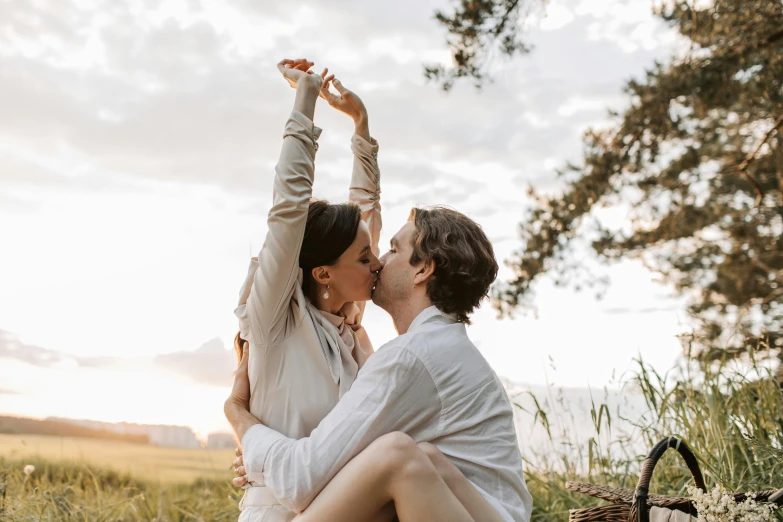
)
(153, 463)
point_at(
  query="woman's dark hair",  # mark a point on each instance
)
(329, 231)
(465, 265)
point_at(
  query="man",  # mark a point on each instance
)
(430, 383)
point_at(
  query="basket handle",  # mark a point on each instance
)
(643, 487)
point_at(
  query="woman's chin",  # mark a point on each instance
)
(365, 296)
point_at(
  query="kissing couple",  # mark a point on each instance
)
(331, 430)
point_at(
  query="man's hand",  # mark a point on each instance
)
(297, 71)
(239, 470)
(347, 102)
(237, 406)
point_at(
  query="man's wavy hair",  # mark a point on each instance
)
(465, 264)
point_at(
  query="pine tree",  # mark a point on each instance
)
(697, 158)
(477, 30)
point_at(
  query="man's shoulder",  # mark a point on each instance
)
(400, 346)
(435, 344)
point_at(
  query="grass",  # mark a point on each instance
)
(79, 479)
(730, 414)
(76, 491)
(154, 463)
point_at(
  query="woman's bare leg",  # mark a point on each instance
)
(392, 469)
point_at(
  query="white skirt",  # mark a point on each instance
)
(260, 505)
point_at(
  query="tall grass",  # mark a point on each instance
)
(730, 414)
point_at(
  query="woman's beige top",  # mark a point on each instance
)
(301, 359)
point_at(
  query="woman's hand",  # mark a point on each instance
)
(353, 316)
(298, 71)
(347, 102)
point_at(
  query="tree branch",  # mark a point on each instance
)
(752, 155)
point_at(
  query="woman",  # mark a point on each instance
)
(296, 308)
(305, 342)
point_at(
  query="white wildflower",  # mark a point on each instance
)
(28, 470)
(719, 505)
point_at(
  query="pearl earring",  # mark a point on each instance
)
(326, 294)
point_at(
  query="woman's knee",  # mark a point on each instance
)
(395, 448)
(445, 468)
(400, 457)
(396, 443)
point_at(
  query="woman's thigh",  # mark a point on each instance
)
(392, 474)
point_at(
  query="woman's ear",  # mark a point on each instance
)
(426, 271)
(321, 275)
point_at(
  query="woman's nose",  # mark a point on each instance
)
(376, 265)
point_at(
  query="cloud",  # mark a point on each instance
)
(157, 99)
(210, 364)
(6, 391)
(134, 91)
(12, 348)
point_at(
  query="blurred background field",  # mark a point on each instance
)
(65, 490)
(142, 461)
(91, 479)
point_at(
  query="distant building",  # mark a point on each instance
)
(219, 440)
(159, 435)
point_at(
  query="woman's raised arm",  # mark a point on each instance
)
(365, 188)
(278, 261)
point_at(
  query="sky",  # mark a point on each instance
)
(137, 146)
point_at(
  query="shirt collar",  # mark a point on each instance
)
(428, 314)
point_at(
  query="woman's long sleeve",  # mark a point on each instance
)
(278, 261)
(365, 188)
(365, 191)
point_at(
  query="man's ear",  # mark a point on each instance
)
(425, 273)
(321, 275)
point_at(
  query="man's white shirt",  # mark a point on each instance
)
(431, 383)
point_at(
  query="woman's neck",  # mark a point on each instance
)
(331, 305)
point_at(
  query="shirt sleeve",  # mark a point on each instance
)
(365, 191)
(393, 392)
(365, 188)
(277, 270)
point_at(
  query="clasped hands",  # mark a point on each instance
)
(346, 101)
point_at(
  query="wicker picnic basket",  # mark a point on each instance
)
(634, 506)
